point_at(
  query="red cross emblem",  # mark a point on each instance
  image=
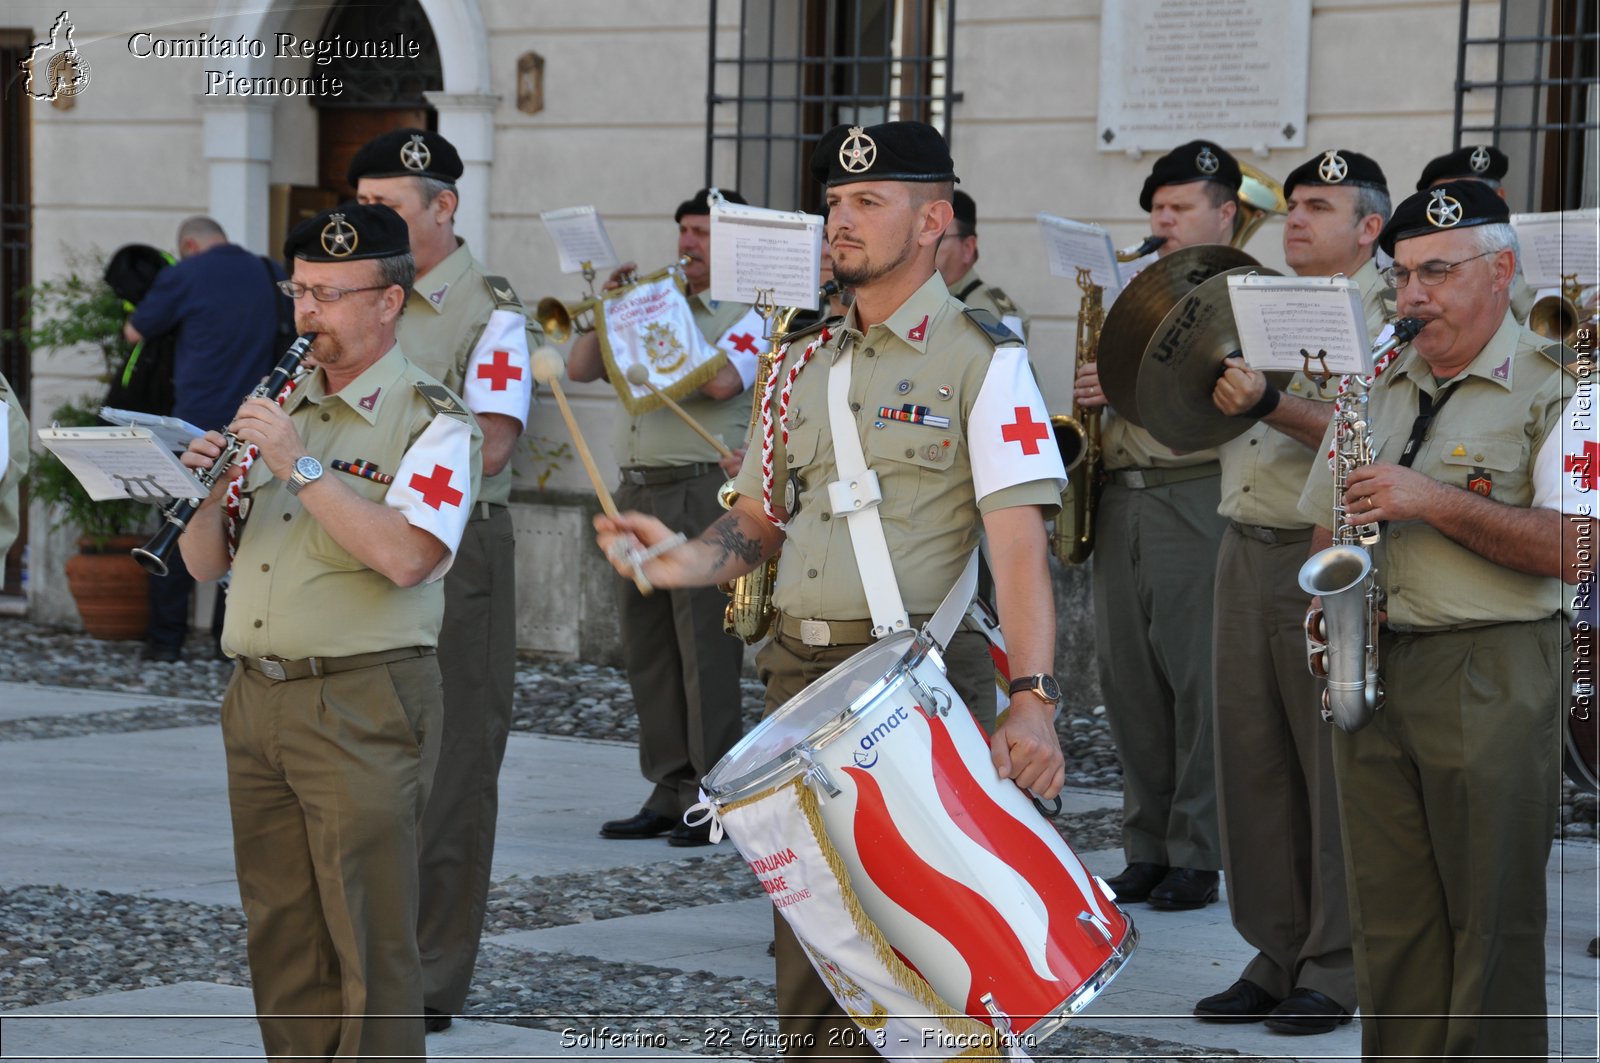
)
(1586, 465)
(436, 490)
(499, 371)
(1025, 430)
(744, 343)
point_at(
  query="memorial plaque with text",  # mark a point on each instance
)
(1231, 71)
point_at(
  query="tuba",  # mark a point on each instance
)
(1342, 633)
(749, 613)
(1078, 433)
(1259, 197)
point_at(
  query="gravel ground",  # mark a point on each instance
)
(58, 943)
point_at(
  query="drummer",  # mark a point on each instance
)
(949, 419)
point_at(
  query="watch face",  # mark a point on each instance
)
(308, 467)
(1049, 689)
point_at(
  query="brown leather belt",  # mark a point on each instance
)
(833, 632)
(1271, 536)
(306, 667)
(654, 476)
(1139, 479)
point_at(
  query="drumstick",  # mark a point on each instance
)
(547, 370)
(639, 376)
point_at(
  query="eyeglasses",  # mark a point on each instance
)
(323, 293)
(1431, 274)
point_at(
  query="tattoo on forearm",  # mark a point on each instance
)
(731, 542)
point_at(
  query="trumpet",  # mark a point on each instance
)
(153, 555)
(561, 320)
(1342, 633)
(749, 613)
(1557, 316)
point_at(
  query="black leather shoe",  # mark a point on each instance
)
(1136, 881)
(434, 1020)
(684, 835)
(644, 825)
(1185, 888)
(1307, 1011)
(162, 652)
(1241, 1002)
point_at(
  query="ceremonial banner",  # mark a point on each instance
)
(651, 325)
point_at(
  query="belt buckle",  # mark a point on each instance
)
(271, 669)
(815, 633)
(1135, 479)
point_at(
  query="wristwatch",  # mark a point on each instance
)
(306, 469)
(1043, 685)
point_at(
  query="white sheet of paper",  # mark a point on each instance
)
(580, 237)
(755, 248)
(175, 432)
(1073, 245)
(121, 463)
(1282, 320)
(1558, 243)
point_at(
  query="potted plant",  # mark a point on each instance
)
(108, 586)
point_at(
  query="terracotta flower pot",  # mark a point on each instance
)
(110, 589)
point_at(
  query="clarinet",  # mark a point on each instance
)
(153, 555)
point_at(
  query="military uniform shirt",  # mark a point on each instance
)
(1512, 398)
(660, 438)
(13, 462)
(926, 354)
(1264, 470)
(972, 291)
(446, 313)
(295, 591)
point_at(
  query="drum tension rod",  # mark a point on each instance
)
(1095, 928)
(816, 774)
(1002, 1021)
(933, 701)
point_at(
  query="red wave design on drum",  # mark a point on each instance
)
(962, 916)
(982, 819)
(1002, 663)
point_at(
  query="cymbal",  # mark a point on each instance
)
(1182, 363)
(1140, 309)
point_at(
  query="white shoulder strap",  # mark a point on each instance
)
(855, 497)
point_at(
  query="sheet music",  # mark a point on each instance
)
(121, 463)
(752, 247)
(1558, 243)
(174, 432)
(1070, 245)
(580, 237)
(1284, 321)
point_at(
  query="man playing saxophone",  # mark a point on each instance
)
(1449, 796)
(1275, 796)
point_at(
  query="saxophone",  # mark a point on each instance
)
(1078, 439)
(1342, 633)
(749, 612)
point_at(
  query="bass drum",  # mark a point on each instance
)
(1582, 761)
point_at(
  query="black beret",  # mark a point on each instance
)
(1337, 166)
(406, 153)
(1482, 161)
(132, 270)
(349, 232)
(1198, 160)
(1453, 205)
(966, 210)
(701, 203)
(893, 151)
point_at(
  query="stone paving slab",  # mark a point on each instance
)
(22, 700)
(144, 1023)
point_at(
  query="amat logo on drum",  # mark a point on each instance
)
(867, 755)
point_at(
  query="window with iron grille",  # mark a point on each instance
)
(805, 66)
(1546, 94)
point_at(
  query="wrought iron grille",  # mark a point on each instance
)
(804, 66)
(1546, 88)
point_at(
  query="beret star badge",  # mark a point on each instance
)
(414, 154)
(339, 237)
(1480, 160)
(1444, 212)
(1207, 162)
(858, 152)
(1333, 168)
